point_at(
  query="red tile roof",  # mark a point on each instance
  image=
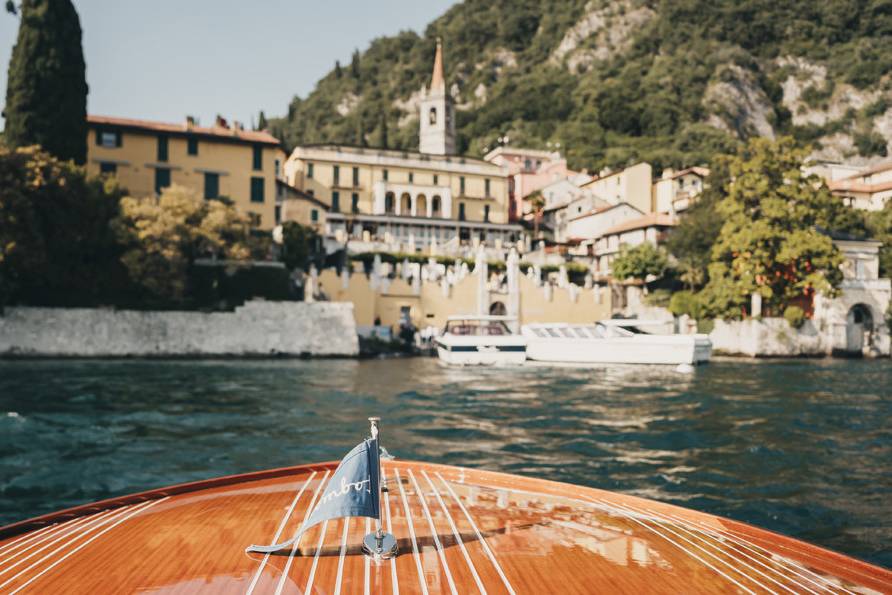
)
(649, 220)
(248, 136)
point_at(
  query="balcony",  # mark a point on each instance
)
(415, 200)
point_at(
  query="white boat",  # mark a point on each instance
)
(480, 341)
(612, 342)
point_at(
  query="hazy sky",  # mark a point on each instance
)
(163, 59)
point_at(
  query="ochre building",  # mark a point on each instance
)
(432, 195)
(219, 161)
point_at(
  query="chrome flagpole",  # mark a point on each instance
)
(379, 545)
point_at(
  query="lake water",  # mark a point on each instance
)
(801, 447)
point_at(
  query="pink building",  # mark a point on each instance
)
(529, 170)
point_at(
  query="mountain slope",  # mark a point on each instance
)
(670, 82)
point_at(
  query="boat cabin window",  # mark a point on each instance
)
(553, 333)
(477, 327)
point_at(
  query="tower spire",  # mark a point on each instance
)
(438, 81)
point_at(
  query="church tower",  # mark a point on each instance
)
(437, 117)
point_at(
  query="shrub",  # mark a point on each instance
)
(685, 302)
(795, 316)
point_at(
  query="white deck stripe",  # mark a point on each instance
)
(399, 483)
(393, 577)
(284, 577)
(433, 527)
(724, 540)
(26, 537)
(785, 562)
(96, 521)
(58, 529)
(310, 578)
(346, 522)
(698, 546)
(610, 506)
(733, 554)
(278, 534)
(120, 519)
(489, 552)
(461, 544)
(368, 562)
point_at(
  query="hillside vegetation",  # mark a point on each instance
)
(670, 82)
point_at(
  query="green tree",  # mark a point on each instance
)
(262, 123)
(692, 239)
(299, 243)
(880, 226)
(164, 236)
(640, 262)
(56, 246)
(46, 93)
(770, 242)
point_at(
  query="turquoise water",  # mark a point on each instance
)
(800, 447)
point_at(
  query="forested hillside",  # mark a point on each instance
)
(670, 82)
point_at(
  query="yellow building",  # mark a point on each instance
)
(220, 161)
(432, 196)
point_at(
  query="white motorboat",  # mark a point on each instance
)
(612, 342)
(480, 341)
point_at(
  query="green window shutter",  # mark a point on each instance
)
(486, 213)
(162, 148)
(356, 176)
(354, 203)
(461, 185)
(314, 215)
(335, 202)
(336, 174)
(162, 179)
(385, 175)
(461, 211)
(119, 138)
(309, 170)
(192, 145)
(212, 185)
(258, 157)
(486, 182)
(256, 189)
(99, 136)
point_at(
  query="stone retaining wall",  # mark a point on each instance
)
(258, 328)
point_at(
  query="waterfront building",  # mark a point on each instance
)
(408, 200)
(296, 205)
(652, 228)
(218, 161)
(867, 189)
(676, 191)
(529, 170)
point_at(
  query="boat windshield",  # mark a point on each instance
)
(477, 327)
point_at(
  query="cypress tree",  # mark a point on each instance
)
(382, 139)
(262, 123)
(46, 94)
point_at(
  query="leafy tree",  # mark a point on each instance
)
(691, 241)
(640, 262)
(46, 94)
(56, 246)
(769, 241)
(299, 245)
(164, 236)
(880, 226)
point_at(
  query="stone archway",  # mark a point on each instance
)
(421, 205)
(436, 206)
(405, 204)
(859, 329)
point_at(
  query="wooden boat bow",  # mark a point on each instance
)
(458, 530)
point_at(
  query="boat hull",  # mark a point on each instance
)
(457, 529)
(471, 351)
(638, 349)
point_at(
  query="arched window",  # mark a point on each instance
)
(435, 206)
(405, 204)
(433, 115)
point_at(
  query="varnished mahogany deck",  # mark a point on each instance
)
(459, 531)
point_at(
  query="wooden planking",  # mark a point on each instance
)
(474, 530)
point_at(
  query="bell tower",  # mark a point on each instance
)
(437, 117)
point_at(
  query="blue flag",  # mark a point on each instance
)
(352, 491)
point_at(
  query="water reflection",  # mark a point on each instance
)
(801, 447)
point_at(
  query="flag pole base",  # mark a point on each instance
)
(381, 547)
